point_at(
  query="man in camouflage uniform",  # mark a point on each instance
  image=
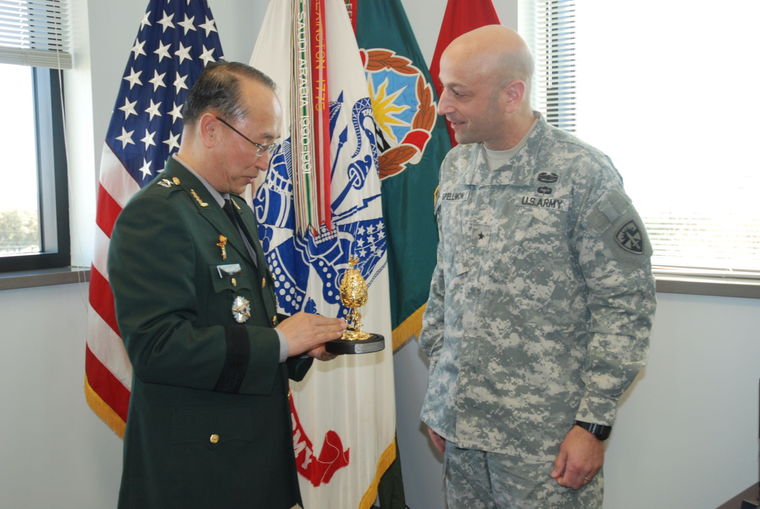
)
(542, 298)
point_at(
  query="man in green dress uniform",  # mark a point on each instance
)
(209, 421)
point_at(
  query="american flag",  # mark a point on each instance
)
(175, 41)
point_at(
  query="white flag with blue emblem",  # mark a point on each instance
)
(344, 413)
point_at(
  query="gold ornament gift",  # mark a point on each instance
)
(353, 295)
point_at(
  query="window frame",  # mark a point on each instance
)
(52, 178)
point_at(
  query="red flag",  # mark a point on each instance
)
(460, 17)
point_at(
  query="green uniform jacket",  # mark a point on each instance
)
(209, 421)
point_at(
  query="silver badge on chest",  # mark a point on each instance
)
(241, 309)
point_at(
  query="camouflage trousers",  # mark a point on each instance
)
(483, 480)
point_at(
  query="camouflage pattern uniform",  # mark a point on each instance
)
(541, 301)
(488, 480)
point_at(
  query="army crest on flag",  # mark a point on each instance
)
(316, 259)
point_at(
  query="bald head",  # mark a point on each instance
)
(493, 52)
(486, 87)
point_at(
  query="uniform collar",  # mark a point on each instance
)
(519, 170)
(218, 198)
(204, 200)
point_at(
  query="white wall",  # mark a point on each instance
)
(55, 452)
(686, 434)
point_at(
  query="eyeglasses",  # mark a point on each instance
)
(260, 149)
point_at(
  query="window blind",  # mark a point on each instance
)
(35, 33)
(553, 45)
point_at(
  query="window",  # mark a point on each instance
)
(667, 90)
(34, 227)
(548, 27)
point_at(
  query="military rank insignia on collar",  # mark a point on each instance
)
(198, 198)
(169, 183)
(629, 237)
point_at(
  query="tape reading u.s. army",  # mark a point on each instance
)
(547, 203)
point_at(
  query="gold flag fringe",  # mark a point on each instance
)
(103, 411)
(386, 458)
(409, 328)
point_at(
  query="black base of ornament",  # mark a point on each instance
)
(374, 343)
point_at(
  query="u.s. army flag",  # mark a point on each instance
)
(344, 415)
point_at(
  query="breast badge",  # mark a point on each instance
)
(222, 245)
(241, 309)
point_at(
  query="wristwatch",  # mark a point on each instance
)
(600, 431)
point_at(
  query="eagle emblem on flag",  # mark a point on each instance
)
(298, 261)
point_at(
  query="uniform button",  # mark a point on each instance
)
(233, 281)
(274, 320)
(214, 438)
(176, 180)
(263, 282)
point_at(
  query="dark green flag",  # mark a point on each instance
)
(412, 141)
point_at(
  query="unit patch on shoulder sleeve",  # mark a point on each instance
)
(630, 238)
(618, 226)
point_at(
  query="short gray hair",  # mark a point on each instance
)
(218, 88)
